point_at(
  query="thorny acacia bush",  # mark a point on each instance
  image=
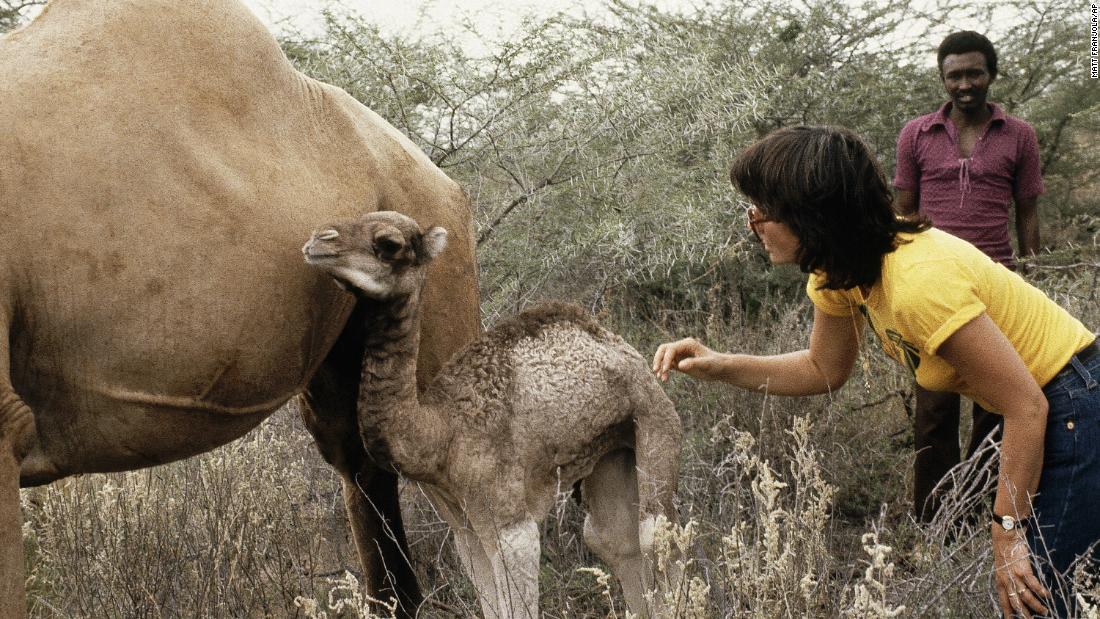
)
(595, 155)
(600, 148)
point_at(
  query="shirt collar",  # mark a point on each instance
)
(939, 117)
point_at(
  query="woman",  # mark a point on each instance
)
(956, 319)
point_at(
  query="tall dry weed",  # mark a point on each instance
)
(869, 598)
(346, 599)
(775, 555)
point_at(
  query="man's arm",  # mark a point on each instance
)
(906, 202)
(1028, 181)
(907, 173)
(1027, 226)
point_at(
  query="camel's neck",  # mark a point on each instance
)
(414, 436)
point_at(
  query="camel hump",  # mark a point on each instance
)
(166, 47)
(482, 372)
(531, 322)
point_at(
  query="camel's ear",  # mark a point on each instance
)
(435, 241)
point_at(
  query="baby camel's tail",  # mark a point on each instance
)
(657, 441)
(625, 540)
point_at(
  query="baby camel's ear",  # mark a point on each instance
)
(435, 241)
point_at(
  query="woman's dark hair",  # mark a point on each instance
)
(825, 185)
(965, 42)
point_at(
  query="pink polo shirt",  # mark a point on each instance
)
(970, 198)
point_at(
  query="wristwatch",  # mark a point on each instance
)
(1009, 523)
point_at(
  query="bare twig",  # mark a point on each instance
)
(897, 393)
(1064, 267)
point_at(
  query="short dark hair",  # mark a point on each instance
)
(967, 41)
(824, 183)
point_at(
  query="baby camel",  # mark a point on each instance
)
(541, 401)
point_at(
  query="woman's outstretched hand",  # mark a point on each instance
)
(689, 356)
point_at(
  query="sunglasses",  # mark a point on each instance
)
(754, 216)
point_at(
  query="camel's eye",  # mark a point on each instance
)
(327, 235)
(387, 248)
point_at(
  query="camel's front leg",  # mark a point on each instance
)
(479, 567)
(370, 494)
(12, 602)
(16, 436)
(471, 552)
(515, 559)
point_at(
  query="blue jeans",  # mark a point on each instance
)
(1067, 508)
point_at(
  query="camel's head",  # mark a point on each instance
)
(381, 255)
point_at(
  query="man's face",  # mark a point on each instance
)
(966, 79)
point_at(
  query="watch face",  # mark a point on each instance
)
(1008, 523)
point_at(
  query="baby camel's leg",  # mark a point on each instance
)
(611, 526)
(514, 553)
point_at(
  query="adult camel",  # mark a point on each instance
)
(160, 162)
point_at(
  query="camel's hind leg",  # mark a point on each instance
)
(627, 491)
(658, 437)
(370, 494)
(611, 526)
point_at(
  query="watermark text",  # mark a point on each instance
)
(1094, 44)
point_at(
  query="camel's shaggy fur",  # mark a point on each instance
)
(543, 400)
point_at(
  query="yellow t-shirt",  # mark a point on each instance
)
(936, 283)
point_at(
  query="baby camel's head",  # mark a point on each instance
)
(381, 255)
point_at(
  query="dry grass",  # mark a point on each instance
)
(238, 532)
(256, 529)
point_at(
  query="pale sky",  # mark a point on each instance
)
(496, 18)
(403, 15)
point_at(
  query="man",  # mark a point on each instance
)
(961, 166)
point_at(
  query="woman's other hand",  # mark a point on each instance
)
(987, 362)
(1019, 591)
